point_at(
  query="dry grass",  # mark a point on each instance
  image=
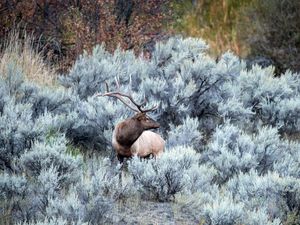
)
(214, 21)
(22, 54)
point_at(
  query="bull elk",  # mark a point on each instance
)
(132, 136)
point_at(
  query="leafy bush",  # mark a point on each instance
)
(275, 32)
(225, 212)
(44, 155)
(276, 194)
(262, 99)
(189, 128)
(196, 79)
(175, 171)
(237, 118)
(12, 186)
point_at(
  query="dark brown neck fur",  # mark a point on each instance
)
(128, 132)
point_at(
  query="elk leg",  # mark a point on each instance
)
(121, 160)
(150, 156)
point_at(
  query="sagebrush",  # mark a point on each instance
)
(227, 130)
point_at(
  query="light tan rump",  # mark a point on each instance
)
(148, 143)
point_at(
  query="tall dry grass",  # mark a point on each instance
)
(26, 57)
(215, 21)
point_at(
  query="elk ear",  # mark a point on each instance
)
(140, 116)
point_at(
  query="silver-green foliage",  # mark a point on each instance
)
(180, 77)
(232, 151)
(234, 116)
(43, 156)
(176, 171)
(276, 194)
(257, 97)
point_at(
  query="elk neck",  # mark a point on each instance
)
(128, 132)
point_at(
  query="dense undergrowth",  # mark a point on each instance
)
(229, 132)
(261, 31)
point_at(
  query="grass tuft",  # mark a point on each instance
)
(24, 54)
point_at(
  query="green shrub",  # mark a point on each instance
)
(272, 29)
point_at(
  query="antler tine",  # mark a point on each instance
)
(119, 95)
(97, 94)
(139, 106)
(151, 109)
(144, 102)
(106, 85)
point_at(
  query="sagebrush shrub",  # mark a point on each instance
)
(176, 171)
(277, 195)
(239, 119)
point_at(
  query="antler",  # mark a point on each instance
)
(119, 95)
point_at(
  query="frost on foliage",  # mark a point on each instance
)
(173, 172)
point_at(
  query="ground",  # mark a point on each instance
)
(154, 213)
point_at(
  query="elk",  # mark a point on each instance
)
(132, 136)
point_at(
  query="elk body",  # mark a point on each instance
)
(132, 136)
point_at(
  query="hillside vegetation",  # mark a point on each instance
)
(266, 32)
(262, 31)
(232, 154)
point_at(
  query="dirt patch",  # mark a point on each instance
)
(153, 213)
